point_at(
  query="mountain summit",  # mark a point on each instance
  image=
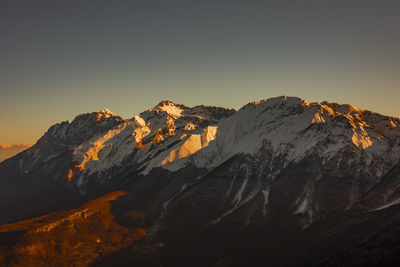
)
(219, 186)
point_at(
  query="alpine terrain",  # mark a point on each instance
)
(280, 182)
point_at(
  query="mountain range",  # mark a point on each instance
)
(279, 182)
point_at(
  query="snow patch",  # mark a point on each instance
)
(393, 203)
(265, 193)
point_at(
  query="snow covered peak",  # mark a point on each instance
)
(292, 128)
(279, 102)
(170, 108)
(106, 111)
(169, 103)
(172, 136)
(104, 114)
(66, 135)
(342, 108)
(97, 116)
(156, 137)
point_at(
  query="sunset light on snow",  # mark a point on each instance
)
(207, 133)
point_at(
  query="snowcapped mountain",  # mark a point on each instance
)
(279, 171)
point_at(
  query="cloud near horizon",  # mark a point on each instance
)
(11, 146)
(9, 150)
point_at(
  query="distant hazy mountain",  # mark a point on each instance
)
(280, 182)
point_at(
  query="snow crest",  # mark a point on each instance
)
(173, 136)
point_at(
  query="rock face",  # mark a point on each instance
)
(280, 182)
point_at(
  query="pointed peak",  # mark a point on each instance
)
(170, 107)
(165, 103)
(106, 111)
(169, 103)
(98, 116)
(104, 114)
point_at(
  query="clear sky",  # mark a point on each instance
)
(62, 58)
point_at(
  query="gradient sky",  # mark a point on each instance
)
(62, 58)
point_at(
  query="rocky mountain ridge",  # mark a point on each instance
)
(279, 170)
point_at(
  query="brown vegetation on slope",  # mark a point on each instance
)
(74, 237)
